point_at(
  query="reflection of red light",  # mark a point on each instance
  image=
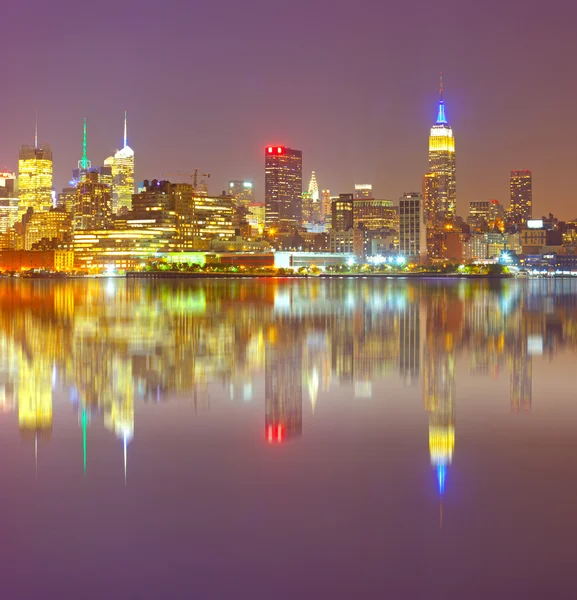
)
(279, 433)
(279, 150)
(270, 149)
(269, 434)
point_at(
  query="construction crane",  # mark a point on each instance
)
(193, 176)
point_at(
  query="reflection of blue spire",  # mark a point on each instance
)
(441, 119)
(441, 475)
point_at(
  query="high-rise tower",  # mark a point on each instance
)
(441, 198)
(122, 167)
(314, 188)
(283, 185)
(35, 177)
(521, 187)
(84, 164)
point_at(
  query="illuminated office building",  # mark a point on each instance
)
(213, 217)
(242, 190)
(413, 233)
(127, 248)
(92, 207)
(342, 212)
(122, 171)
(66, 199)
(521, 188)
(440, 188)
(283, 185)
(8, 201)
(7, 184)
(35, 177)
(488, 213)
(184, 209)
(373, 214)
(326, 206)
(105, 176)
(256, 217)
(363, 190)
(307, 208)
(430, 197)
(53, 226)
(194, 219)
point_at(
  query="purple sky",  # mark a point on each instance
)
(351, 84)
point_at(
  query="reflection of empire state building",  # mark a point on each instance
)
(283, 383)
(439, 391)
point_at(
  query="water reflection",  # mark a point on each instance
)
(113, 344)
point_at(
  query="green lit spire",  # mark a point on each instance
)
(84, 163)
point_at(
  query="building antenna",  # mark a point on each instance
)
(125, 137)
(441, 86)
(84, 162)
(36, 132)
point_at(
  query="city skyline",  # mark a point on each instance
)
(380, 111)
(461, 207)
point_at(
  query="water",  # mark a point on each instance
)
(288, 439)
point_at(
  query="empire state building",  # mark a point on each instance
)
(439, 186)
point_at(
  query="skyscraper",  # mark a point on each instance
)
(92, 209)
(283, 185)
(310, 203)
(83, 164)
(342, 213)
(122, 167)
(326, 206)
(413, 233)
(8, 201)
(440, 192)
(363, 190)
(521, 207)
(242, 190)
(314, 187)
(35, 177)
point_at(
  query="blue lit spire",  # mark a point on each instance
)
(441, 119)
(441, 476)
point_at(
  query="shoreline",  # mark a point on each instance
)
(177, 275)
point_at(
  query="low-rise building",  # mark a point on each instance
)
(44, 260)
(351, 241)
(484, 246)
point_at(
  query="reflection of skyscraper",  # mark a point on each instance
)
(120, 417)
(283, 384)
(521, 368)
(410, 341)
(34, 394)
(443, 329)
